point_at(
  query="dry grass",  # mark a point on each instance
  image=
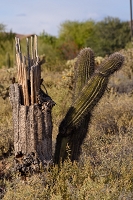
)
(104, 170)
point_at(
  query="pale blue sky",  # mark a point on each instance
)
(34, 16)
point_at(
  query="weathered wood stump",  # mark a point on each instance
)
(32, 107)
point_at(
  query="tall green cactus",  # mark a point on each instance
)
(73, 127)
(83, 69)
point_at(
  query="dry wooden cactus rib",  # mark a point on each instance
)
(71, 129)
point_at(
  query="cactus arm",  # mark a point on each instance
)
(92, 91)
(70, 130)
(88, 98)
(77, 119)
(111, 64)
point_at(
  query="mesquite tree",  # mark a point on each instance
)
(32, 107)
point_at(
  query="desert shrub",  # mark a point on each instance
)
(110, 144)
(104, 170)
(59, 92)
(6, 129)
(121, 81)
(53, 63)
(74, 181)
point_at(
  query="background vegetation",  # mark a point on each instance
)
(104, 170)
(104, 37)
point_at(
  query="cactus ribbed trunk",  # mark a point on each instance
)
(74, 126)
(83, 70)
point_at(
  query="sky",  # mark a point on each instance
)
(36, 16)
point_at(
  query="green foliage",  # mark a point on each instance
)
(110, 35)
(67, 49)
(6, 129)
(8, 60)
(2, 27)
(6, 46)
(47, 46)
(104, 37)
(73, 36)
(76, 31)
(47, 39)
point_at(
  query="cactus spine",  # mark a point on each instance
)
(78, 116)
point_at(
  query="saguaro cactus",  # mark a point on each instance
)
(73, 127)
(32, 107)
(83, 70)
